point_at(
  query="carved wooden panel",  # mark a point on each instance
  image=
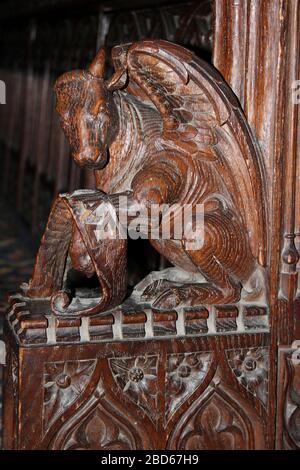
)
(97, 426)
(138, 379)
(214, 423)
(162, 394)
(288, 411)
(63, 384)
(184, 374)
(180, 364)
(251, 367)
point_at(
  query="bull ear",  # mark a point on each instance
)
(117, 80)
(97, 67)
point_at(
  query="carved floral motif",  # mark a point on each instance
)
(185, 372)
(137, 378)
(251, 367)
(63, 384)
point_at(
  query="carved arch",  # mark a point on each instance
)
(217, 420)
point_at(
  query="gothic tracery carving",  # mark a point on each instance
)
(63, 384)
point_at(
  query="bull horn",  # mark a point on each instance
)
(98, 65)
(117, 80)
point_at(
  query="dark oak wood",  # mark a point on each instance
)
(130, 381)
(40, 41)
(288, 430)
(181, 120)
(204, 363)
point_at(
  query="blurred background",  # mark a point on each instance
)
(41, 39)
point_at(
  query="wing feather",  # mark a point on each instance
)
(203, 117)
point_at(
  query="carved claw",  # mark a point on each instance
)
(170, 298)
(157, 287)
(160, 286)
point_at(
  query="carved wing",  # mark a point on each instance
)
(203, 117)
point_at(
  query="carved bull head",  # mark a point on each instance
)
(88, 113)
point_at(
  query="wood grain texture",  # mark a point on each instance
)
(175, 134)
(288, 427)
(211, 364)
(257, 53)
(162, 394)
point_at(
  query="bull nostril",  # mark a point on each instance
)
(90, 159)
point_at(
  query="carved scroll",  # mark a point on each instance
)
(71, 214)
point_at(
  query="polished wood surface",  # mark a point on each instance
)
(160, 93)
(211, 364)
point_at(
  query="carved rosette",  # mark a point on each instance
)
(64, 382)
(185, 373)
(251, 366)
(137, 378)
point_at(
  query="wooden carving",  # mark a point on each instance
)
(164, 129)
(63, 384)
(288, 406)
(251, 367)
(70, 239)
(137, 379)
(140, 395)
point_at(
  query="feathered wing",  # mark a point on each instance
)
(202, 115)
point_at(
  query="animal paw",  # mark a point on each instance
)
(170, 298)
(157, 287)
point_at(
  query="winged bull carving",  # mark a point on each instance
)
(165, 128)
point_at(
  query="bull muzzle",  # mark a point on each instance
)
(91, 158)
